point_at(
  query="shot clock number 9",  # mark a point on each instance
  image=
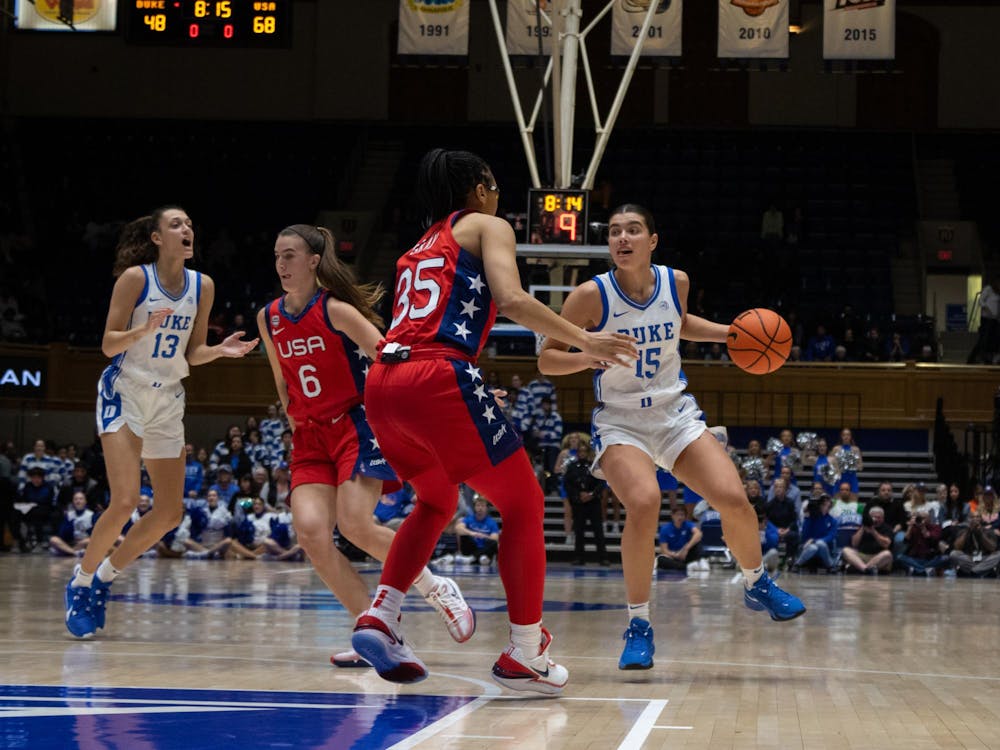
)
(557, 217)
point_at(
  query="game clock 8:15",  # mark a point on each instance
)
(206, 23)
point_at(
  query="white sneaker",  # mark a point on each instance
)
(703, 564)
(538, 673)
(485, 560)
(447, 599)
(196, 555)
(464, 559)
(385, 650)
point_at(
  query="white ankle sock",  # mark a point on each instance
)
(528, 638)
(425, 582)
(81, 578)
(107, 572)
(638, 610)
(752, 576)
(387, 604)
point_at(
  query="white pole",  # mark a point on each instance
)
(604, 131)
(515, 99)
(570, 13)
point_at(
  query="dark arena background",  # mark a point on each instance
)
(835, 161)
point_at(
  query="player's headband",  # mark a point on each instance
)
(309, 242)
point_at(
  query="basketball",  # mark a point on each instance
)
(759, 341)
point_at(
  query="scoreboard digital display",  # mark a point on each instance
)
(557, 216)
(209, 23)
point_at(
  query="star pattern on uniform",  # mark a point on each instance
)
(361, 353)
(473, 372)
(488, 415)
(469, 308)
(375, 443)
(476, 283)
(365, 371)
(480, 392)
(461, 330)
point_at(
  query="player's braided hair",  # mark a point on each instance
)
(335, 276)
(444, 180)
(135, 243)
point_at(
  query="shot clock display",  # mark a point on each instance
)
(209, 23)
(557, 216)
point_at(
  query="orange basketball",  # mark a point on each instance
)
(759, 341)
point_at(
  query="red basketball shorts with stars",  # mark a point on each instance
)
(437, 412)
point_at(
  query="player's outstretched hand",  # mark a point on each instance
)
(500, 396)
(156, 319)
(235, 346)
(616, 348)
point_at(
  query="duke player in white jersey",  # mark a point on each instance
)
(644, 419)
(156, 327)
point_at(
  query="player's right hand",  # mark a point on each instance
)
(156, 319)
(611, 347)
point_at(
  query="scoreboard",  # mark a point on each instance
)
(557, 216)
(209, 23)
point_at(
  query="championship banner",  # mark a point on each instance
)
(53, 15)
(664, 36)
(523, 28)
(859, 29)
(433, 27)
(753, 28)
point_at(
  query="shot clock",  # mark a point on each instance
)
(209, 23)
(557, 216)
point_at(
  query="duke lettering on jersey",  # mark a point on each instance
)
(651, 333)
(176, 322)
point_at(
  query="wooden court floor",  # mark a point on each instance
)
(202, 654)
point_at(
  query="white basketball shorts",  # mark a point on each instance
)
(154, 414)
(662, 431)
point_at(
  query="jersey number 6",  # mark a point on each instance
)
(403, 286)
(311, 386)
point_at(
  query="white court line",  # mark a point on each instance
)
(158, 702)
(293, 570)
(444, 722)
(478, 737)
(666, 726)
(643, 726)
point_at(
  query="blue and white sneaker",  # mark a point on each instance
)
(99, 600)
(765, 595)
(79, 618)
(639, 648)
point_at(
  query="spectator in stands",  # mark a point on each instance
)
(781, 511)
(791, 490)
(869, 551)
(392, 508)
(80, 482)
(194, 473)
(271, 428)
(216, 532)
(262, 484)
(852, 348)
(840, 354)
(225, 485)
(42, 458)
(584, 492)
(772, 224)
(237, 458)
(822, 459)
(541, 388)
(848, 465)
(795, 353)
(754, 494)
(953, 509)
(680, 542)
(73, 534)
(988, 342)
(819, 536)
(285, 452)
(778, 458)
(845, 503)
(255, 449)
(893, 513)
(548, 430)
(927, 354)
(478, 534)
(820, 347)
(915, 501)
(282, 484)
(923, 554)
(568, 454)
(988, 507)
(202, 457)
(715, 353)
(221, 451)
(975, 548)
(769, 540)
(871, 347)
(41, 496)
(897, 349)
(66, 465)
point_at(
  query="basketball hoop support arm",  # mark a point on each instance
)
(568, 43)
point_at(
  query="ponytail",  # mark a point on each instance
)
(135, 243)
(444, 180)
(335, 276)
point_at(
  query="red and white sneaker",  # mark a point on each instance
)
(349, 660)
(538, 673)
(447, 599)
(385, 650)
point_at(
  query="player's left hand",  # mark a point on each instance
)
(235, 346)
(499, 395)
